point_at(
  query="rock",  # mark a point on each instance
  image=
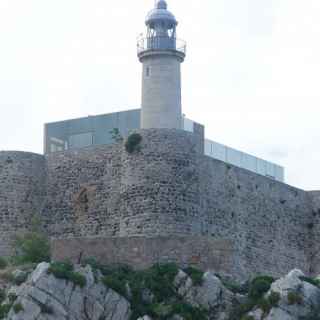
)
(44, 297)
(147, 296)
(257, 314)
(19, 276)
(305, 299)
(279, 314)
(209, 295)
(291, 282)
(183, 283)
(177, 317)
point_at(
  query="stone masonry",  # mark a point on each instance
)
(167, 190)
(22, 191)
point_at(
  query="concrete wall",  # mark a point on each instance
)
(22, 181)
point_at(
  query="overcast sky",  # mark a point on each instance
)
(252, 72)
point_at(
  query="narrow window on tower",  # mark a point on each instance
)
(148, 72)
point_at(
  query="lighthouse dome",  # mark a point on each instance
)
(161, 14)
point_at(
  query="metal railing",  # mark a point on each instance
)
(161, 43)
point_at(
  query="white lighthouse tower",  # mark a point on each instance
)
(161, 54)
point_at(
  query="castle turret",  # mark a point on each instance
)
(161, 54)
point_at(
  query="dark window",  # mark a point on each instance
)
(148, 71)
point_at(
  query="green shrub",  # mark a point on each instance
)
(256, 288)
(116, 135)
(7, 276)
(116, 278)
(12, 297)
(314, 282)
(159, 279)
(2, 295)
(20, 278)
(188, 312)
(195, 274)
(294, 298)
(274, 298)
(32, 247)
(3, 263)
(4, 310)
(64, 270)
(259, 286)
(116, 284)
(161, 310)
(238, 311)
(61, 270)
(236, 287)
(264, 305)
(247, 318)
(133, 142)
(78, 279)
(92, 262)
(18, 307)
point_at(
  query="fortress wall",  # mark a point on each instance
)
(268, 221)
(143, 252)
(170, 189)
(160, 185)
(315, 251)
(83, 192)
(22, 191)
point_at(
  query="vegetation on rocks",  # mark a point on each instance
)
(195, 275)
(3, 263)
(157, 283)
(32, 246)
(163, 292)
(256, 290)
(65, 270)
(294, 298)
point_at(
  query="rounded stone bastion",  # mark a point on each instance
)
(159, 192)
(22, 188)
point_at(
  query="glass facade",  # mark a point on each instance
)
(244, 160)
(92, 130)
(97, 130)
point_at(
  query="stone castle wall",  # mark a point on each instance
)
(142, 252)
(22, 182)
(315, 229)
(160, 186)
(268, 221)
(167, 189)
(83, 192)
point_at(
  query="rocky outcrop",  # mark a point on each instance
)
(299, 299)
(211, 295)
(44, 297)
(47, 295)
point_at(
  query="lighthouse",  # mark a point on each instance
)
(161, 55)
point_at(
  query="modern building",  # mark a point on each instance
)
(161, 55)
(95, 130)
